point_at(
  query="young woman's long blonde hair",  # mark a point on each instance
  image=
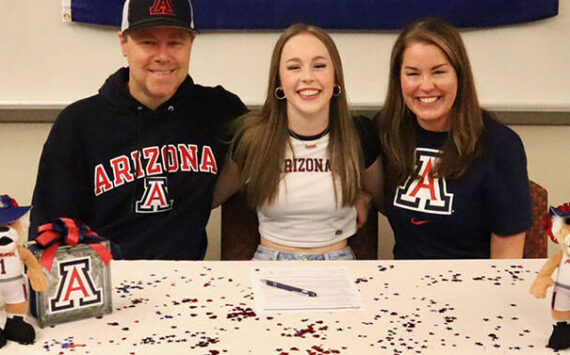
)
(261, 137)
(397, 124)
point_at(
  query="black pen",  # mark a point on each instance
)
(289, 288)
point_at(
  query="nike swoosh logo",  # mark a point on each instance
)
(418, 223)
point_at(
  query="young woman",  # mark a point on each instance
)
(457, 185)
(303, 161)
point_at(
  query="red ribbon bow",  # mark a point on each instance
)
(67, 231)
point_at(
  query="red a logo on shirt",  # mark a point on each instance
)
(76, 288)
(426, 193)
(155, 197)
(162, 7)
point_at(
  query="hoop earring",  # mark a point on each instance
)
(279, 93)
(337, 90)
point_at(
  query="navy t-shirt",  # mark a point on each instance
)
(442, 218)
(369, 142)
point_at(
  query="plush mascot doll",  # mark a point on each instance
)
(558, 228)
(13, 257)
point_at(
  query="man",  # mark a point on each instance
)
(138, 161)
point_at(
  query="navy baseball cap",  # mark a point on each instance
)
(10, 211)
(139, 14)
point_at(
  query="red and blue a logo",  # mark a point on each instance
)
(427, 193)
(162, 7)
(155, 197)
(76, 288)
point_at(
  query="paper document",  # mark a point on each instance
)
(294, 289)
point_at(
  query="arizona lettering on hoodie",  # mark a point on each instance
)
(152, 161)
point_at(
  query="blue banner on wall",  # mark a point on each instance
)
(331, 14)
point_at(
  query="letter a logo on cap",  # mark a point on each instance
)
(162, 7)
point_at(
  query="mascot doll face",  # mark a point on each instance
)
(561, 230)
(560, 226)
(8, 238)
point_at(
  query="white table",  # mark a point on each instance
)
(411, 307)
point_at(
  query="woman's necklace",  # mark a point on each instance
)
(309, 138)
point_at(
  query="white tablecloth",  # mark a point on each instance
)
(411, 307)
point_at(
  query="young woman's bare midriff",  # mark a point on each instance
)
(326, 249)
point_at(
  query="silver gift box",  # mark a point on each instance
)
(79, 286)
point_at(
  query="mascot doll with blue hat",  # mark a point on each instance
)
(558, 228)
(13, 257)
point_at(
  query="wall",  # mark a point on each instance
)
(522, 67)
(49, 63)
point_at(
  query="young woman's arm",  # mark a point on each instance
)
(507, 246)
(228, 183)
(373, 183)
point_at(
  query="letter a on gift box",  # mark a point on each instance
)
(76, 288)
(79, 273)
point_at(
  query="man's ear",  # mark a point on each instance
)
(123, 38)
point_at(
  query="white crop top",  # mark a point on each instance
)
(305, 213)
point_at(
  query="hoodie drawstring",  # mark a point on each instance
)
(136, 165)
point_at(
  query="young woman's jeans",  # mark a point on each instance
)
(264, 253)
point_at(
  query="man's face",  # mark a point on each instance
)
(159, 59)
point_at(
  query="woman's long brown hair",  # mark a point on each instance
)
(397, 124)
(261, 137)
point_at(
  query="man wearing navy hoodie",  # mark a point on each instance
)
(138, 161)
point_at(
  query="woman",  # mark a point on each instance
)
(457, 185)
(299, 160)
